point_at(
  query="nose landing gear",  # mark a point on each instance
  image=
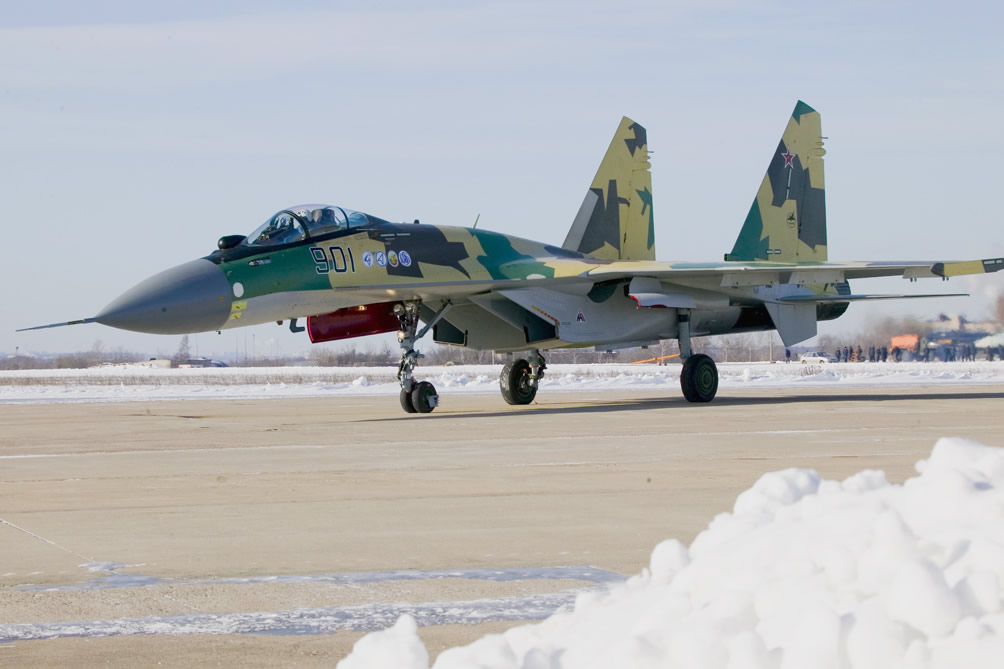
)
(415, 396)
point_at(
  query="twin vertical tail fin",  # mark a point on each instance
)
(615, 221)
(787, 222)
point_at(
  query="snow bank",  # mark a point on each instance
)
(120, 384)
(804, 572)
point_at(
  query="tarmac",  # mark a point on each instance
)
(275, 532)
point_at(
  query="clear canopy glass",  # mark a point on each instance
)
(304, 221)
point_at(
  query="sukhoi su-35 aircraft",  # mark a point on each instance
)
(352, 274)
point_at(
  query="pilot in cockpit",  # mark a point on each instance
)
(323, 221)
(323, 218)
(282, 230)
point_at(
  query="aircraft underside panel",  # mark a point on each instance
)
(517, 320)
(535, 328)
(579, 320)
(280, 306)
(472, 326)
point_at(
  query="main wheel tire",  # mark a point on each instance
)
(699, 378)
(515, 382)
(424, 397)
(406, 403)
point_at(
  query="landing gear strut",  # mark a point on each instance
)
(415, 396)
(699, 376)
(520, 378)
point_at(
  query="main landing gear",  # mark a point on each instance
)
(520, 378)
(699, 376)
(416, 396)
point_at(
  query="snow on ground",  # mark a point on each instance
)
(325, 620)
(117, 384)
(803, 572)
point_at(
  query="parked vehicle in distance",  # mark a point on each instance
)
(200, 362)
(816, 357)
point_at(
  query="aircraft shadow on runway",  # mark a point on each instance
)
(646, 403)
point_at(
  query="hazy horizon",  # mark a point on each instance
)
(137, 135)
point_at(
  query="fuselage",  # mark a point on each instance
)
(299, 265)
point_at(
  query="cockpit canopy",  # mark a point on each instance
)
(305, 221)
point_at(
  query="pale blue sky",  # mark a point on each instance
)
(135, 135)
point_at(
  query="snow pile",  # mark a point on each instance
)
(397, 646)
(117, 384)
(802, 573)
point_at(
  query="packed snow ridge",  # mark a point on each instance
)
(129, 384)
(803, 573)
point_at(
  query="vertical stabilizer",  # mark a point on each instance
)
(787, 222)
(615, 221)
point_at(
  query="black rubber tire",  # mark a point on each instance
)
(699, 378)
(515, 382)
(424, 397)
(406, 401)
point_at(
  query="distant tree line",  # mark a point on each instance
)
(97, 355)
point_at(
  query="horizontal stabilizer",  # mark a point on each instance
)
(59, 325)
(862, 298)
(986, 266)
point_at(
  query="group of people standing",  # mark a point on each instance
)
(963, 353)
(852, 354)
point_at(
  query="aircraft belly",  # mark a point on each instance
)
(716, 321)
(483, 330)
(281, 306)
(580, 320)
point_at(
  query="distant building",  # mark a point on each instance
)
(200, 362)
(943, 338)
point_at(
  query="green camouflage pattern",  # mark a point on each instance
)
(787, 221)
(601, 287)
(779, 261)
(388, 261)
(616, 220)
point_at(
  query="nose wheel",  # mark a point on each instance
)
(415, 396)
(420, 399)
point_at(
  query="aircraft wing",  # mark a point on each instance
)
(789, 291)
(461, 289)
(735, 274)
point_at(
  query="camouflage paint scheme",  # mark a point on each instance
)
(602, 287)
(616, 220)
(787, 222)
(510, 293)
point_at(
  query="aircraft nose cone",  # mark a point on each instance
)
(193, 297)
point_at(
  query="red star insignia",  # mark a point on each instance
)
(788, 157)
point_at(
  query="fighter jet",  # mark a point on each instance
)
(352, 274)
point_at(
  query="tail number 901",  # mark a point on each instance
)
(334, 259)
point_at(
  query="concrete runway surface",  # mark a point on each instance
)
(274, 532)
